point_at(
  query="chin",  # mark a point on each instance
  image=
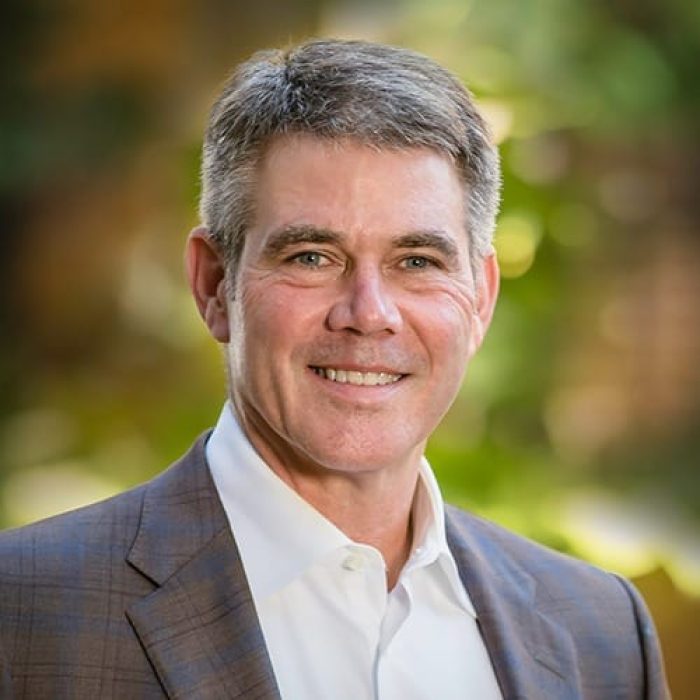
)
(370, 459)
(362, 444)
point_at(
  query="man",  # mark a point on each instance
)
(302, 549)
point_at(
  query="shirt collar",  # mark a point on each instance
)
(280, 535)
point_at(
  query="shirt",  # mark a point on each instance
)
(331, 628)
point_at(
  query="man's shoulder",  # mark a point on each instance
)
(507, 551)
(105, 529)
(504, 567)
(67, 536)
(601, 617)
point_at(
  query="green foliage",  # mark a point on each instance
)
(596, 105)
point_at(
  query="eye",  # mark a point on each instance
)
(310, 258)
(417, 262)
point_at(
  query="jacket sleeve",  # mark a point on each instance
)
(656, 686)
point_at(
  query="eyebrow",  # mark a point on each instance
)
(436, 239)
(290, 236)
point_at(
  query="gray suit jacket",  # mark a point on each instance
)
(144, 596)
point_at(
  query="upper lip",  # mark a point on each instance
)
(351, 367)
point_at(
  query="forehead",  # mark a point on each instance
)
(350, 187)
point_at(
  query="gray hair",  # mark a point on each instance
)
(384, 96)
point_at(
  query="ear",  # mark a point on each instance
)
(206, 273)
(487, 284)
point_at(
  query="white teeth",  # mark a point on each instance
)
(370, 379)
(357, 378)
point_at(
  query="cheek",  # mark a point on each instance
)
(262, 307)
(276, 318)
(445, 319)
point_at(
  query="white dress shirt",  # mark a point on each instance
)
(331, 627)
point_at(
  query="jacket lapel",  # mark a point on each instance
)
(533, 657)
(198, 627)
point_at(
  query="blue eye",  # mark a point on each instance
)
(309, 259)
(416, 262)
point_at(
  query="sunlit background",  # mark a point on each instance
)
(578, 424)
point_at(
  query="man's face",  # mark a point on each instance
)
(355, 309)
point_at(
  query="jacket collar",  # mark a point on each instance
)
(532, 655)
(198, 627)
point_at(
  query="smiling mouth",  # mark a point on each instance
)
(343, 376)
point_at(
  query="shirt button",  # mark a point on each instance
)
(354, 562)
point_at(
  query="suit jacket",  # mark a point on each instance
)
(143, 596)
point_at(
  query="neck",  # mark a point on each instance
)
(371, 514)
(372, 507)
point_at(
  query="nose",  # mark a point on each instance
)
(365, 305)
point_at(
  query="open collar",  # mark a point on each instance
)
(280, 535)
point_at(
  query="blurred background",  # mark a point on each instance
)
(578, 423)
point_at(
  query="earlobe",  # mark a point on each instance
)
(206, 273)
